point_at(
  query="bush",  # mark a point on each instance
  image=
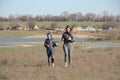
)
(53, 25)
(12, 23)
(1, 27)
(113, 35)
(108, 25)
(112, 29)
(31, 25)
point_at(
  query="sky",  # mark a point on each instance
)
(56, 7)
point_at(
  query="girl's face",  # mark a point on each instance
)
(68, 30)
(49, 37)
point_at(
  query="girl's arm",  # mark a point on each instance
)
(72, 38)
(62, 39)
(46, 44)
(54, 44)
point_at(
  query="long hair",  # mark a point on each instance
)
(68, 27)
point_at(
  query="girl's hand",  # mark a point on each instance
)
(47, 45)
(69, 38)
(56, 44)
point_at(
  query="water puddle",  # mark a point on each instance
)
(27, 42)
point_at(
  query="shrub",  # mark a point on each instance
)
(53, 25)
(31, 25)
(115, 33)
(1, 27)
(108, 25)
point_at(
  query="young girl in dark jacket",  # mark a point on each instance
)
(50, 44)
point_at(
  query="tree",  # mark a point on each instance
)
(118, 18)
(72, 17)
(105, 15)
(23, 18)
(65, 14)
(79, 17)
(90, 17)
(11, 18)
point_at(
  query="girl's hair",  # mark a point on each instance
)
(68, 27)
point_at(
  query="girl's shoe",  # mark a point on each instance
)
(53, 64)
(65, 64)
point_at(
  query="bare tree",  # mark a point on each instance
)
(23, 18)
(79, 17)
(90, 17)
(105, 15)
(118, 18)
(72, 17)
(1, 18)
(12, 17)
(65, 16)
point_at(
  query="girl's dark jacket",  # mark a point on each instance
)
(49, 43)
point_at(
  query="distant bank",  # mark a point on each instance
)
(59, 36)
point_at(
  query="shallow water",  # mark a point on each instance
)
(26, 42)
(22, 39)
(34, 39)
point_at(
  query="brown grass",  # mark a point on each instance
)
(30, 63)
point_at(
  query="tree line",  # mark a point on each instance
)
(66, 16)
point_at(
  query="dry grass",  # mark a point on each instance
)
(30, 63)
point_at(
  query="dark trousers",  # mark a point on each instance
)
(50, 55)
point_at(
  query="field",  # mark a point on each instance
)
(60, 24)
(20, 34)
(41, 34)
(13, 34)
(30, 63)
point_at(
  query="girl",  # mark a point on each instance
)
(68, 39)
(50, 44)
